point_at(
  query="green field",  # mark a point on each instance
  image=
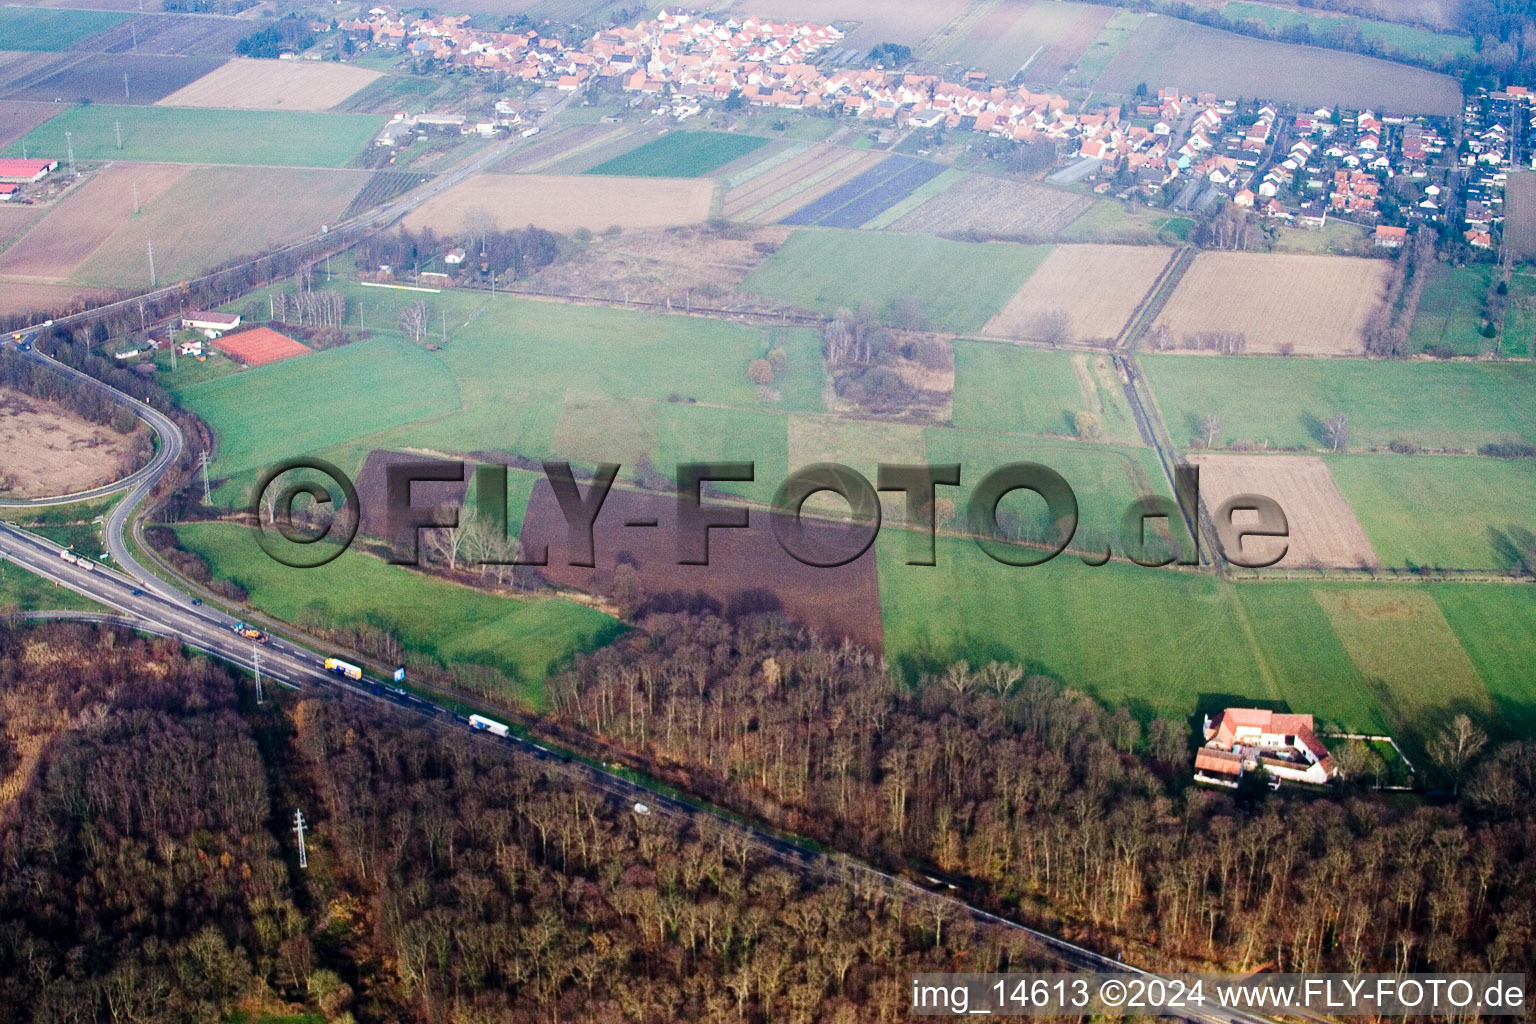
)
(1446, 512)
(22, 591)
(299, 405)
(41, 28)
(1151, 639)
(961, 285)
(1457, 406)
(188, 135)
(1403, 40)
(524, 639)
(681, 155)
(1109, 221)
(1450, 311)
(1026, 390)
(512, 375)
(1497, 628)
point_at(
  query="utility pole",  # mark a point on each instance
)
(125, 96)
(135, 195)
(207, 495)
(69, 143)
(445, 326)
(117, 126)
(151, 250)
(256, 666)
(298, 826)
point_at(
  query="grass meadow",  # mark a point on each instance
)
(1405, 40)
(961, 285)
(1445, 512)
(680, 155)
(1450, 313)
(524, 638)
(1026, 390)
(42, 28)
(1283, 402)
(198, 135)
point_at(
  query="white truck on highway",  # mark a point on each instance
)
(491, 726)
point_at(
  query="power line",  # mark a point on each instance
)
(298, 827)
(69, 143)
(256, 667)
(203, 459)
(150, 249)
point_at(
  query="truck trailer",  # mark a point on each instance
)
(342, 668)
(488, 725)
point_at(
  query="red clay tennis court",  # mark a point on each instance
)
(259, 346)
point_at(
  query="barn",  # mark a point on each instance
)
(15, 171)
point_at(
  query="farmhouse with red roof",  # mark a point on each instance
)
(1241, 740)
(15, 171)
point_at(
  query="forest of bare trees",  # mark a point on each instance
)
(147, 872)
(1028, 788)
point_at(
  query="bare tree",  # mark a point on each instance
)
(415, 319)
(1054, 328)
(1336, 430)
(1456, 747)
(1210, 426)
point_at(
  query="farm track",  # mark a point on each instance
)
(1147, 311)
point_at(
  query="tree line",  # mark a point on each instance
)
(515, 253)
(1004, 777)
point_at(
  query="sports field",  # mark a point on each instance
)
(961, 285)
(189, 135)
(42, 28)
(1283, 402)
(187, 222)
(680, 155)
(245, 84)
(525, 639)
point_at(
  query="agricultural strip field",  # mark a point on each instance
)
(961, 285)
(187, 135)
(1111, 39)
(1316, 304)
(864, 197)
(1324, 532)
(1445, 512)
(1450, 311)
(273, 85)
(1520, 215)
(680, 155)
(1403, 40)
(14, 222)
(998, 207)
(98, 78)
(1096, 287)
(190, 234)
(878, 20)
(1282, 402)
(567, 202)
(555, 145)
(1024, 390)
(949, 177)
(1497, 629)
(41, 28)
(1053, 33)
(1196, 58)
(50, 299)
(85, 218)
(524, 638)
(179, 35)
(783, 188)
(18, 117)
